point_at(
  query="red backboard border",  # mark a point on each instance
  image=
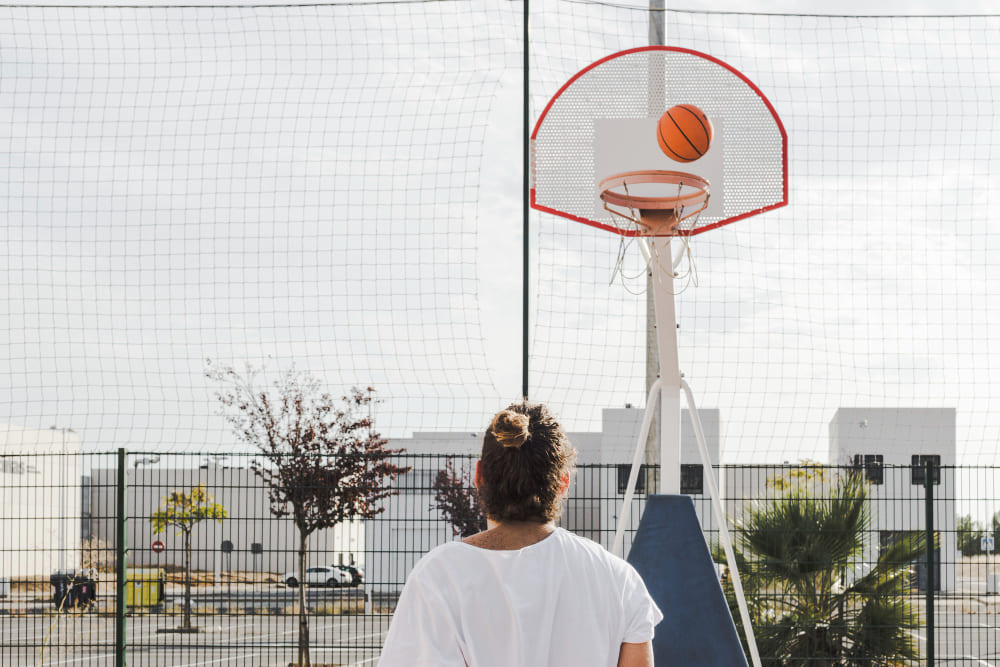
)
(690, 232)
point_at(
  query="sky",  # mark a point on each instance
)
(339, 188)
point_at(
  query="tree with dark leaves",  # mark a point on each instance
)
(458, 500)
(321, 458)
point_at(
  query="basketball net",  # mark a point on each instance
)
(678, 265)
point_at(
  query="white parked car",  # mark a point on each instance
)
(325, 575)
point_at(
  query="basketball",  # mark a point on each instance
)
(684, 133)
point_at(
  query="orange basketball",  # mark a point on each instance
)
(684, 133)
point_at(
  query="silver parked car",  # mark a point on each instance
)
(324, 575)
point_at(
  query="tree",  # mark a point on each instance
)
(97, 555)
(184, 511)
(322, 460)
(811, 598)
(806, 472)
(458, 500)
(969, 535)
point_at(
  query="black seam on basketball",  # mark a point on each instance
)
(683, 134)
(663, 141)
(665, 147)
(704, 128)
(676, 156)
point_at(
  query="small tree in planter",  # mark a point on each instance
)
(322, 460)
(458, 500)
(184, 511)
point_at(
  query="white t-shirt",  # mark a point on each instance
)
(562, 602)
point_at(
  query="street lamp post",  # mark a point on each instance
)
(62, 495)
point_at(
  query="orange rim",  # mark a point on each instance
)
(678, 207)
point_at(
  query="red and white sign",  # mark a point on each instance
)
(158, 546)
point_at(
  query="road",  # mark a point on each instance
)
(223, 640)
(238, 625)
(257, 626)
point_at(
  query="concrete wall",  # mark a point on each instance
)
(39, 501)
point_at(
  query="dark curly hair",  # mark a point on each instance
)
(525, 456)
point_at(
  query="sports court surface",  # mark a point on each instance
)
(224, 640)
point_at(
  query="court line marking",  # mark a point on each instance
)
(981, 662)
(242, 656)
(967, 657)
(252, 655)
(87, 658)
(148, 628)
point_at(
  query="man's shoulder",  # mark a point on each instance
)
(594, 550)
(438, 559)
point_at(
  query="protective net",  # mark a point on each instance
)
(274, 185)
(872, 289)
(338, 187)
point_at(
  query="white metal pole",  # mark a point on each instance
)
(670, 375)
(647, 418)
(62, 503)
(720, 517)
(656, 105)
(62, 494)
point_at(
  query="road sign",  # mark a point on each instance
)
(158, 546)
(986, 544)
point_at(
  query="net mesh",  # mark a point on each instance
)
(871, 289)
(282, 185)
(338, 187)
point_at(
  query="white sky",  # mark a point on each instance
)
(160, 209)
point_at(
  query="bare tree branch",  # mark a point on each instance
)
(321, 459)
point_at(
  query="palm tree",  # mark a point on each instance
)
(810, 602)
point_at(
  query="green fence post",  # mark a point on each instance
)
(929, 579)
(120, 562)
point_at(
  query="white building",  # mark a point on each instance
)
(891, 445)
(411, 525)
(40, 504)
(257, 540)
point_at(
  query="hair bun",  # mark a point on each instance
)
(510, 428)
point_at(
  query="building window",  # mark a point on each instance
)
(918, 464)
(623, 473)
(692, 478)
(871, 465)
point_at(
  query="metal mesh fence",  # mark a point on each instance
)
(62, 556)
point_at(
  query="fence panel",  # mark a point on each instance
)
(228, 593)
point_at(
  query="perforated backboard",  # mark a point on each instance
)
(603, 122)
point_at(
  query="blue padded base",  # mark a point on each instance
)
(672, 557)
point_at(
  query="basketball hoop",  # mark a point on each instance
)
(609, 119)
(654, 202)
